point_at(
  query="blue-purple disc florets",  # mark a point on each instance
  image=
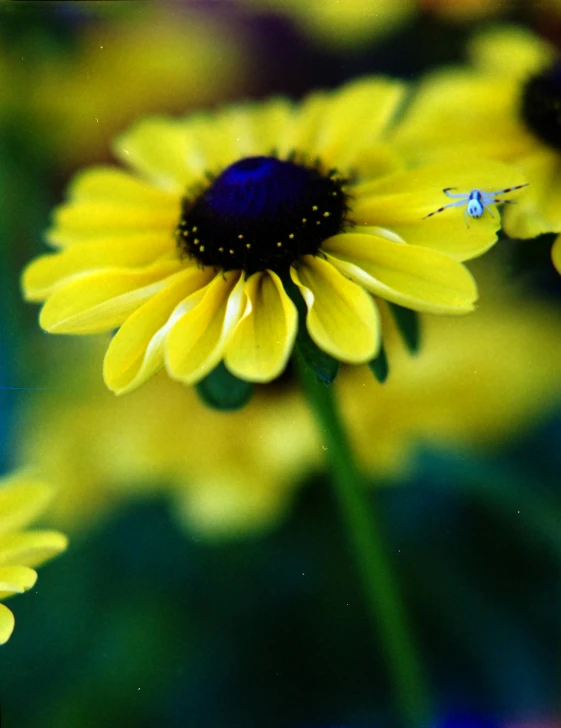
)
(262, 213)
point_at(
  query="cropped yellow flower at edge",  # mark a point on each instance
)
(22, 499)
(505, 107)
(189, 255)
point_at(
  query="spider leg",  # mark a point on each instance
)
(459, 203)
(506, 189)
(455, 195)
(496, 201)
(488, 208)
(466, 218)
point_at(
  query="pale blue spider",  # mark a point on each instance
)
(476, 202)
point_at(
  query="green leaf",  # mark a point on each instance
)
(223, 391)
(379, 366)
(409, 326)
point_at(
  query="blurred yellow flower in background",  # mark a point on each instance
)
(505, 106)
(352, 25)
(343, 25)
(225, 471)
(134, 58)
(475, 382)
(22, 500)
(195, 271)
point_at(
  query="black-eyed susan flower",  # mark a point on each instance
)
(22, 499)
(504, 107)
(197, 255)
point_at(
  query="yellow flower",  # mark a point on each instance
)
(353, 24)
(346, 24)
(225, 473)
(22, 499)
(475, 382)
(130, 61)
(505, 107)
(190, 255)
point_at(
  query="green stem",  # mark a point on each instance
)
(384, 602)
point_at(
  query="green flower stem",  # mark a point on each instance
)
(384, 603)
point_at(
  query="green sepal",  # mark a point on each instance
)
(223, 391)
(379, 366)
(324, 367)
(409, 326)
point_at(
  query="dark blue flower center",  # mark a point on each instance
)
(262, 213)
(541, 105)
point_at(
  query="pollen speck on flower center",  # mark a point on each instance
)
(262, 213)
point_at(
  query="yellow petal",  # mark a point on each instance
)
(234, 127)
(7, 622)
(510, 51)
(302, 134)
(401, 201)
(538, 210)
(377, 160)
(271, 124)
(556, 254)
(342, 318)
(88, 221)
(108, 201)
(16, 580)
(175, 154)
(550, 201)
(30, 548)
(247, 130)
(355, 117)
(419, 278)
(457, 114)
(203, 324)
(136, 352)
(210, 143)
(43, 275)
(264, 337)
(111, 184)
(102, 301)
(158, 148)
(22, 499)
